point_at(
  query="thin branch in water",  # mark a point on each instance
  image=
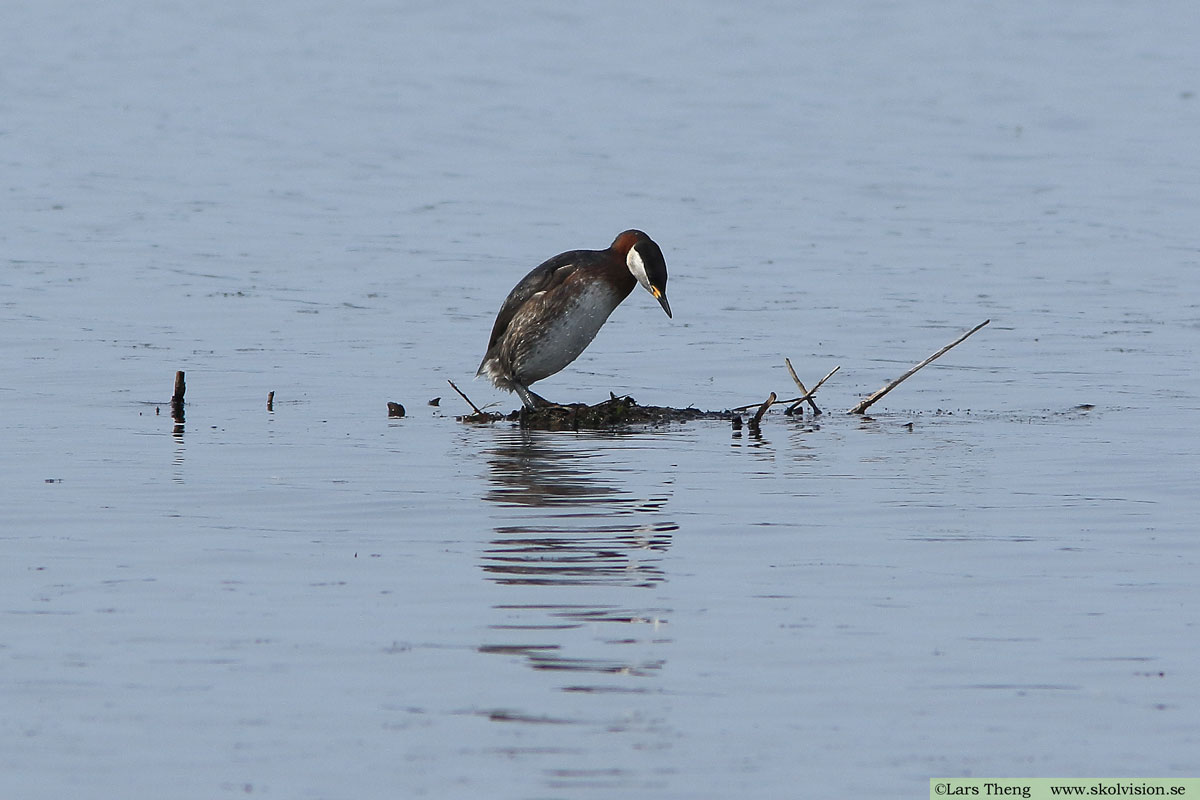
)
(797, 401)
(804, 392)
(464, 397)
(756, 404)
(870, 401)
(762, 410)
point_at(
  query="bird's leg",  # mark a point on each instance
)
(531, 399)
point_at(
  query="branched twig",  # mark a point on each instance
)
(807, 396)
(867, 403)
(795, 401)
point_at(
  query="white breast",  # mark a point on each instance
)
(563, 336)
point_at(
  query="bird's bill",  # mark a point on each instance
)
(661, 297)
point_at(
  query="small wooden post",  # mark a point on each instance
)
(177, 397)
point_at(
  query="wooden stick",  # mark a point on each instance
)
(762, 410)
(797, 400)
(803, 391)
(177, 397)
(749, 406)
(867, 403)
(800, 400)
(464, 397)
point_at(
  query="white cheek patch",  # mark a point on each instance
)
(637, 267)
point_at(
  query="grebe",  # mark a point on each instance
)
(556, 310)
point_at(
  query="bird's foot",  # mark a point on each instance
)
(532, 400)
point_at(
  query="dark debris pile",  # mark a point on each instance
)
(616, 412)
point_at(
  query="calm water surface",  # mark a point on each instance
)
(993, 575)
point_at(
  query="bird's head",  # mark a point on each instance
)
(645, 260)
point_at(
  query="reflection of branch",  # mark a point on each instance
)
(464, 397)
(867, 403)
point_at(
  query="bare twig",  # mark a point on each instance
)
(756, 404)
(798, 400)
(868, 402)
(762, 410)
(464, 397)
(795, 400)
(803, 391)
(808, 395)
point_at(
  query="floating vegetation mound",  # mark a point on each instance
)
(616, 412)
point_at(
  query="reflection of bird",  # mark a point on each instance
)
(556, 310)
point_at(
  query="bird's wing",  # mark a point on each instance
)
(542, 278)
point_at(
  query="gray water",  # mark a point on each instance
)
(992, 575)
